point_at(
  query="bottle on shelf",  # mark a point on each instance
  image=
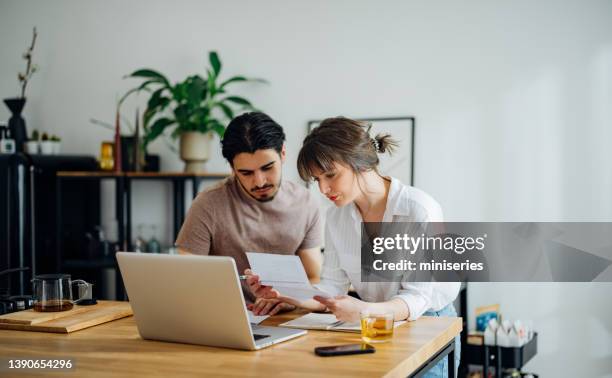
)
(153, 244)
(7, 144)
(140, 245)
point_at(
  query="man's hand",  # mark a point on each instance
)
(345, 307)
(270, 307)
(259, 290)
(267, 292)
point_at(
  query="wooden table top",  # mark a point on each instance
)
(116, 349)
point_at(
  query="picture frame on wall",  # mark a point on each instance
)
(399, 165)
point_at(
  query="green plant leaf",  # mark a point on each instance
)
(181, 113)
(217, 127)
(146, 118)
(141, 87)
(243, 79)
(146, 84)
(155, 99)
(127, 94)
(200, 116)
(215, 62)
(180, 92)
(150, 74)
(182, 127)
(157, 103)
(196, 90)
(239, 101)
(151, 112)
(229, 113)
(232, 80)
(157, 129)
(212, 83)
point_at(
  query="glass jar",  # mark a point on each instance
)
(107, 162)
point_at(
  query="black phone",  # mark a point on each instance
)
(340, 350)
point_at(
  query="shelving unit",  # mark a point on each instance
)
(487, 356)
(500, 357)
(123, 209)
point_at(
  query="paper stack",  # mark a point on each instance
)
(284, 273)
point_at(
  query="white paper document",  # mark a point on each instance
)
(327, 322)
(284, 273)
(256, 319)
(322, 322)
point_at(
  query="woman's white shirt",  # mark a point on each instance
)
(342, 258)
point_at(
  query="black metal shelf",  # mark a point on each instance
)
(500, 357)
(123, 209)
(101, 263)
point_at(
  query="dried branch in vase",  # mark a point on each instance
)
(30, 68)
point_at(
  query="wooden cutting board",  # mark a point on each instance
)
(79, 317)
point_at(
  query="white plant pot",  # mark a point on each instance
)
(195, 150)
(57, 147)
(46, 147)
(31, 147)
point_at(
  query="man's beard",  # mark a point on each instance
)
(265, 199)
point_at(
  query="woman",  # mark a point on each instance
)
(342, 158)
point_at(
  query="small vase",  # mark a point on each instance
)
(31, 147)
(16, 123)
(195, 150)
(47, 147)
(57, 147)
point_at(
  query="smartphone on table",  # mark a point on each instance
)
(341, 350)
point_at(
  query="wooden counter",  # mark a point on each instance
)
(116, 349)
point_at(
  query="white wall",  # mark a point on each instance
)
(512, 101)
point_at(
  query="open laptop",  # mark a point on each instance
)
(194, 300)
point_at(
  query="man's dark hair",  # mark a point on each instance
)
(250, 132)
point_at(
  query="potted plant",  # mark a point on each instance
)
(46, 145)
(16, 122)
(32, 145)
(57, 143)
(193, 108)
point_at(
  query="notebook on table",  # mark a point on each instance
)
(326, 322)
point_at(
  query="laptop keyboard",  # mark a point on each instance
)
(256, 336)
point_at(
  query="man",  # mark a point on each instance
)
(254, 210)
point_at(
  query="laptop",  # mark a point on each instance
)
(193, 300)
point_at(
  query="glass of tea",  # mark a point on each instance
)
(376, 327)
(53, 292)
